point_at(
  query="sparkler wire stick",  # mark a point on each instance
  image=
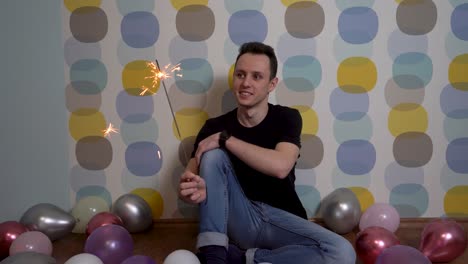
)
(172, 112)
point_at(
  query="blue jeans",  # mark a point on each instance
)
(269, 234)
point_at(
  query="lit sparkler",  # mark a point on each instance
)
(158, 74)
(110, 129)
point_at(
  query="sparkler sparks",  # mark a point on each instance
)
(158, 75)
(110, 129)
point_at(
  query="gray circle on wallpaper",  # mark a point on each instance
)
(395, 174)
(312, 152)
(306, 177)
(289, 46)
(399, 43)
(75, 51)
(344, 50)
(195, 22)
(88, 24)
(345, 130)
(127, 54)
(455, 46)
(81, 177)
(76, 101)
(147, 131)
(94, 152)
(412, 149)
(131, 182)
(395, 95)
(180, 49)
(416, 17)
(450, 178)
(230, 51)
(180, 99)
(286, 96)
(304, 19)
(186, 147)
(341, 179)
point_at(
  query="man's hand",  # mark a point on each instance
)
(192, 188)
(207, 144)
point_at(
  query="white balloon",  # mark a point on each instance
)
(84, 258)
(181, 256)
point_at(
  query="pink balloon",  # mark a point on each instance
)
(443, 240)
(401, 254)
(9, 231)
(380, 214)
(102, 219)
(372, 241)
(111, 243)
(34, 241)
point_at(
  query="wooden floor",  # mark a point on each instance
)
(168, 235)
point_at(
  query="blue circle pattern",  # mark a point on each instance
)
(247, 25)
(140, 29)
(358, 25)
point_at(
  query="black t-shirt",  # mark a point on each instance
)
(281, 124)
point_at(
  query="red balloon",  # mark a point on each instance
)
(9, 231)
(102, 219)
(371, 241)
(443, 240)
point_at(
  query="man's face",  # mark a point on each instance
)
(251, 80)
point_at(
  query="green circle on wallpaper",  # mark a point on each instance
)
(88, 76)
(410, 200)
(302, 73)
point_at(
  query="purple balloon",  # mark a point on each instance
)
(111, 243)
(402, 254)
(139, 259)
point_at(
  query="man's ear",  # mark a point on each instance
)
(273, 84)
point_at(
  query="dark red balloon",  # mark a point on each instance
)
(9, 231)
(443, 240)
(102, 219)
(371, 241)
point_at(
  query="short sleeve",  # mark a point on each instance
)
(292, 125)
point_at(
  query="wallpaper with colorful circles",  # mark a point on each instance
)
(382, 87)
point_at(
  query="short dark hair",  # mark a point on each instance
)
(262, 49)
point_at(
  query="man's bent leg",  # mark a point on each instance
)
(225, 203)
(287, 238)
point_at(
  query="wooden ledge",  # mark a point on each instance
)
(168, 235)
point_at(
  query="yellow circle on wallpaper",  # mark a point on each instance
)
(310, 122)
(154, 200)
(407, 118)
(189, 122)
(179, 4)
(71, 5)
(86, 122)
(357, 75)
(458, 72)
(365, 197)
(456, 201)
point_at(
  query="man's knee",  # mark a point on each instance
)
(213, 157)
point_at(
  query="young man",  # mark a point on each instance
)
(242, 176)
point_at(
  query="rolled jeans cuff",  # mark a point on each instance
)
(212, 239)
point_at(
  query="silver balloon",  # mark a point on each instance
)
(134, 211)
(29, 257)
(341, 210)
(48, 219)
